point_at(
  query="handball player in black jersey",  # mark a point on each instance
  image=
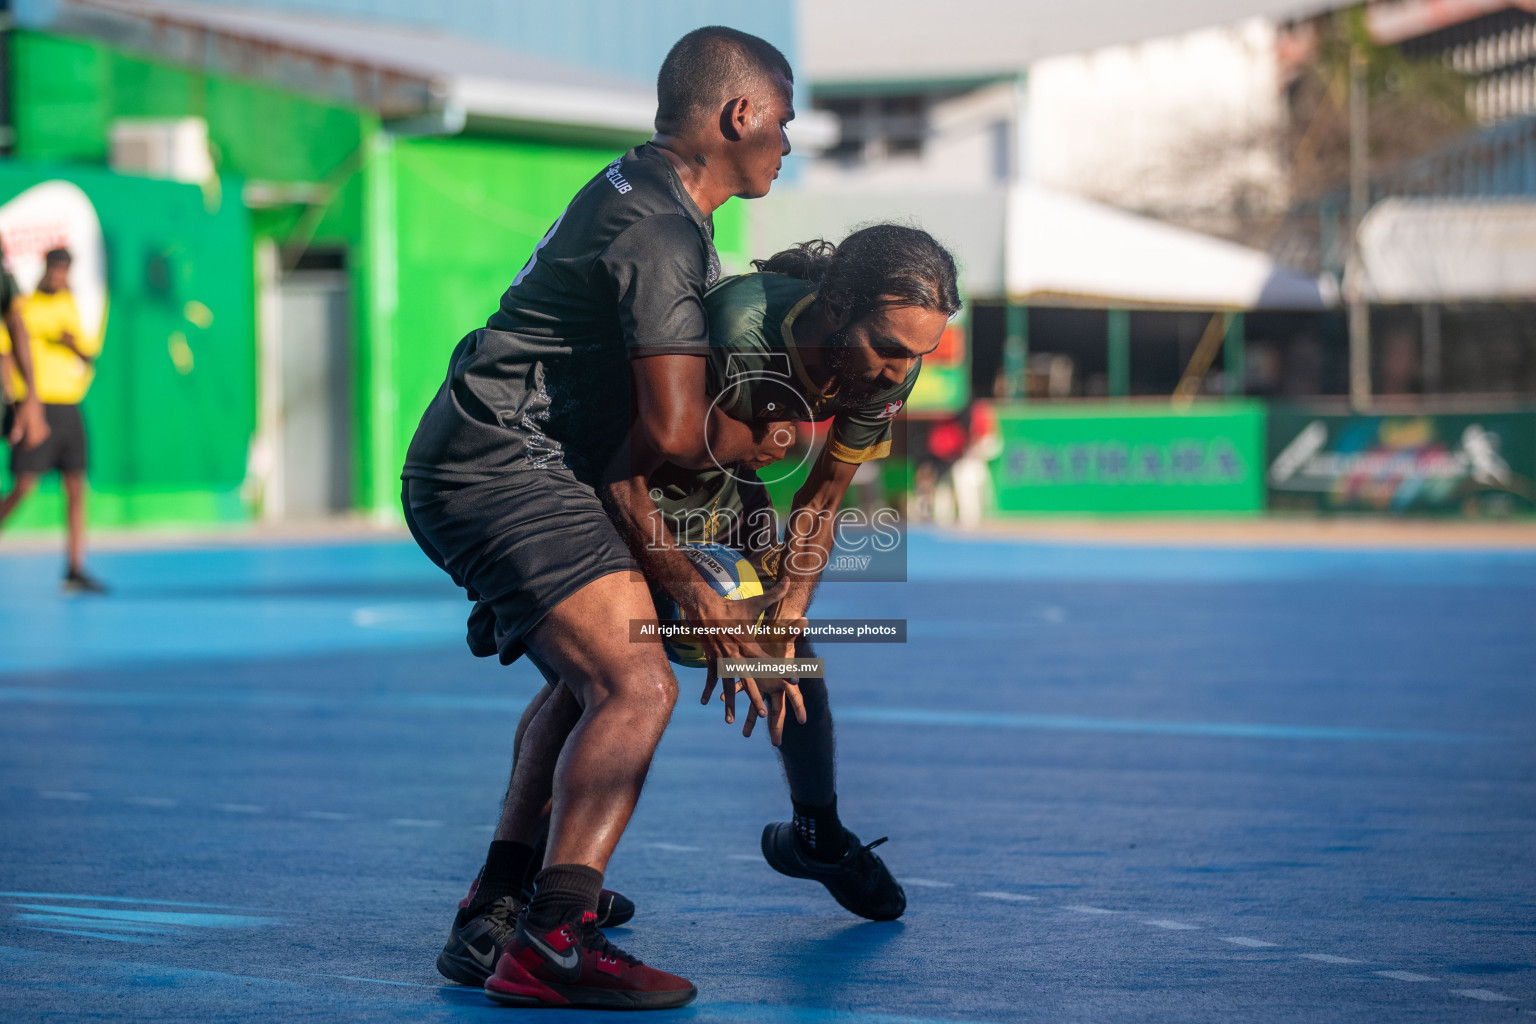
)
(595, 353)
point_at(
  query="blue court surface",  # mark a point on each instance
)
(1121, 784)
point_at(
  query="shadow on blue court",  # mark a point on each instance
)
(1121, 783)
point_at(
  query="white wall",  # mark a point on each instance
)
(1170, 126)
(960, 154)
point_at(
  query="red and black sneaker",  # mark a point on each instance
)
(576, 966)
(476, 940)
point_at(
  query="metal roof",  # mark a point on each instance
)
(401, 71)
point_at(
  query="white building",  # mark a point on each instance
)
(1064, 152)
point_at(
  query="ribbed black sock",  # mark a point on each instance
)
(505, 864)
(819, 832)
(561, 892)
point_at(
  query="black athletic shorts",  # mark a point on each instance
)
(64, 450)
(518, 546)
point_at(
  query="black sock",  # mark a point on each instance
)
(818, 831)
(563, 892)
(536, 862)
(505, 864)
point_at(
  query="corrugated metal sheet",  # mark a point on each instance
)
(626, 38)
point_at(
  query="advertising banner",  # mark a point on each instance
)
(1428, 463)
(1119, 458)
(945, 382)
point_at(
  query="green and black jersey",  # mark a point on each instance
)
(756, 373)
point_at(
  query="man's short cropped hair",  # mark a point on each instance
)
(56, 256)
(709, 66)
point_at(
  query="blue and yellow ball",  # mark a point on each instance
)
(732, 577)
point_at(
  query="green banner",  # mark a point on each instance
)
(1427, 463)
(1120, 458)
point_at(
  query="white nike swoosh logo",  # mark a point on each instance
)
(567, 961)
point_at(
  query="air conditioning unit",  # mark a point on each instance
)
(172, 148)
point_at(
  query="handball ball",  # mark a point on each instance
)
(731, 576)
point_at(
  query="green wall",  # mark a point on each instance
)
(168, 442)
(69, 91)
(468, 213)
(434, 228)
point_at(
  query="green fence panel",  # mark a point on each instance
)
(172, 409)
(1420, 463)
(468, 214)
(1115, 458)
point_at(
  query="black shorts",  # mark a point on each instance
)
(518, 546)
(63, 451)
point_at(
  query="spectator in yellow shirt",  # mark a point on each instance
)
(63, 363)
(25, 425)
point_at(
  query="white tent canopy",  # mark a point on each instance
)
(1437, 250)
(1064, 250)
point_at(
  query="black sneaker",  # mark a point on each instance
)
(77, 581)
(860, 881)
(613, 909)
(475, 943)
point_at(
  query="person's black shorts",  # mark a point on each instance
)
(64, 450)
(518, 546)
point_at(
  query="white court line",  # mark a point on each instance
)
(1243, 940)
(1487, 995)
(1327, 958)
(326, 815)
(1079, 909)
(672, 847)
(1173, 926)
(927, 883)
(152, 801)
(416, 822)
(1406, 976)
(63, 794)
(241, 808)
(745, 856)
(1013, 897)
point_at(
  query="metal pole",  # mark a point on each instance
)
(1119, 353)
(1429, 315)
(1016, 352)
(1235, 356)
(1359, 198)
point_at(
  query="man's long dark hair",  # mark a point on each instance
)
(873, 268)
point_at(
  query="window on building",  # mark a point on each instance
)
(878, 127)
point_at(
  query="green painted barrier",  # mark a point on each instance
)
(1120, 458)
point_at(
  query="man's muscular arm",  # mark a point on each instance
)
(811, 532)
(31, 427)
(808, 542)
(688, 430)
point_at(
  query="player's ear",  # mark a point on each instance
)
(735, 118)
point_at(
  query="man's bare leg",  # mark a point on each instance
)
(74, 513)
(626, 692)
(536, 751)
(24, 485)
